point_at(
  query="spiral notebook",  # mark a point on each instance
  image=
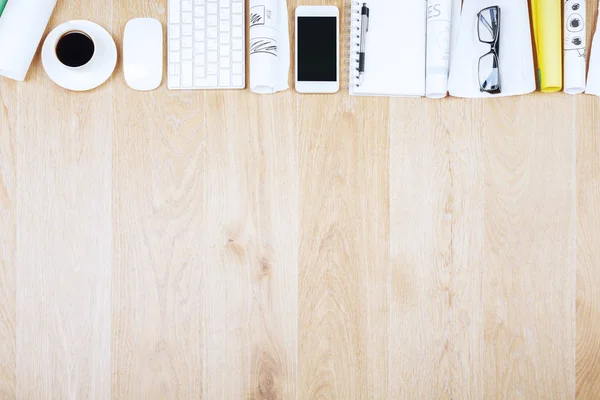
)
(395, 48)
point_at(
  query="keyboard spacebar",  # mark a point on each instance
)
(209, 81)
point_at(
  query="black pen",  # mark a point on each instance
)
(364, 28)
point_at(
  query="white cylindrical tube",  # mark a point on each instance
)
(439, 16)
(575, 46)
(269, 46)
(22, 25)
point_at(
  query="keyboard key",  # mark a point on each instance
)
(186, 54)
(211, 20)
(174, 82)
(174, 11)
(224, 78)
(212, 44)
(211, 69)
(199, 2)
(224, 49)
(199, 72)
(199, 11)
(186, 18)
(174, 45)
(237, 80)
(186, 30)
(174, 56)
(212, 33)
(237, 68)
(225, 38)
(237, 8)
(237, 32)
(224, 3)
(174, 69)
(224, 13)
(212, 56)
(199, 23)
(237, 44)
(237, 20)
(187, 76)
(199, 47)
(212, 8)
(186, 5)
(174, 32)
(199, 36)
(199, 60)
(210, 81)
(225, 62)
(238, 56)
(186, 42)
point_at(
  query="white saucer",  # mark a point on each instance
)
(92, 74)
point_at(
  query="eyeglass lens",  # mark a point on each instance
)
(488, 24)
(489, 76)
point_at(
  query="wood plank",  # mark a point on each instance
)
(158, 274)
(529, 281)
(588, 247)
(343, 247)
(63, 243)
(250, 204)
(436, 210)
(9, 104)
(588, 237)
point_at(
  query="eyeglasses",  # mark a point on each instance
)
(488, 30)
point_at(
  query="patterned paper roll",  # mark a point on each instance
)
(575, 44)
(439, 16)
(22, 25)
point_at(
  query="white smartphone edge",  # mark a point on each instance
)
(317, 87)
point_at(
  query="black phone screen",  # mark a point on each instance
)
(317, 49)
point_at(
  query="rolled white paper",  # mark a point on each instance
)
(269, 46)
(575, 46)
(439, 17)
(456, 11)
(22, 25)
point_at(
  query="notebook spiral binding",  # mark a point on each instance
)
(352, 43)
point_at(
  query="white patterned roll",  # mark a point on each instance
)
(439, 17)
(22, 25)
(575, 46)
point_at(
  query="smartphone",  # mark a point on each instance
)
(317, 49)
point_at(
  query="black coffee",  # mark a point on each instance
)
(75, 49)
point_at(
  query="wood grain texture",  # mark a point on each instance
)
(436, 210)
(63, 241)
(158, 222)
(588, 248)
(251, 257)
(529, 281)
(587, 113)
(224, 245)
(343, 253)
(8, 208)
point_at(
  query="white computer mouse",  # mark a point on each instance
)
(143, 53)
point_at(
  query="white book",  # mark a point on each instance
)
(395, 48)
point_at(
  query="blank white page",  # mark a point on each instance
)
(395, 49)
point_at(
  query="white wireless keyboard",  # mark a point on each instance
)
(206, 44)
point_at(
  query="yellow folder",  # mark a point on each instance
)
(547, 30)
